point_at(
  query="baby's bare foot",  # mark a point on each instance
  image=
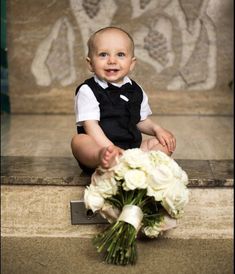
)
(108, 156)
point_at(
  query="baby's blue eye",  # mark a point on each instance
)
(121, 54)
(102, 54)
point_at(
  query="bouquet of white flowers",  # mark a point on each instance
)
(144, 192)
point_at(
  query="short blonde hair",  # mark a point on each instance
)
(90, 42)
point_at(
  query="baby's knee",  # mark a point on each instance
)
(76, 140)
(159, 146)
(165, 149)
(169, 153)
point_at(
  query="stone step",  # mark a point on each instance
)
(38, 237)
(37, 192)
(64, 171)
(44, 211)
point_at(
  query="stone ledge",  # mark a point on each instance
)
(29, 211)
(64, 171)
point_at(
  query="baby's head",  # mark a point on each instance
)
(111, 54)
(106, 34)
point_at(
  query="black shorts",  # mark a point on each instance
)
(87, 170)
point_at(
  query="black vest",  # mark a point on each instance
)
(118, 118)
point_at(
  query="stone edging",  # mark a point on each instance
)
(64, 171)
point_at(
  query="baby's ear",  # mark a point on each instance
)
(89, 63)
(133, 62)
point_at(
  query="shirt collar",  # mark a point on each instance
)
(104, 84)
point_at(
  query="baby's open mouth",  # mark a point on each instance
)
(112, 70)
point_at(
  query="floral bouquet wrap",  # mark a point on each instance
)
(145, 192)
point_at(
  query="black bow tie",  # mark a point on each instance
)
(113, 87)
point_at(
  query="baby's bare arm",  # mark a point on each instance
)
(93, 129)
(148, 127)
(165, 137)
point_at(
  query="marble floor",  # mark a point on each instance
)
(203, 137)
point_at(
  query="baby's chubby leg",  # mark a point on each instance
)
(154, 144)
(88, 152)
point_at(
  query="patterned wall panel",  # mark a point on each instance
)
(182, 47)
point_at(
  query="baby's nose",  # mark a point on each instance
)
(112, 60)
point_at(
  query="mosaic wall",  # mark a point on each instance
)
(181, 45)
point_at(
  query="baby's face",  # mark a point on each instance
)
(112, 56)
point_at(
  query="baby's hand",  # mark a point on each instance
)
(166, 138)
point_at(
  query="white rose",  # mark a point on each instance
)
(158, 195)
(162, 175)
(120, 170)
(152, 231)
(158, 157)
(92, 198)
(158, 181)
(184, 177)
(108, 187)
(178, 172)
(105, 183)
(175, 198)
(133, 179)
(135, 158)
